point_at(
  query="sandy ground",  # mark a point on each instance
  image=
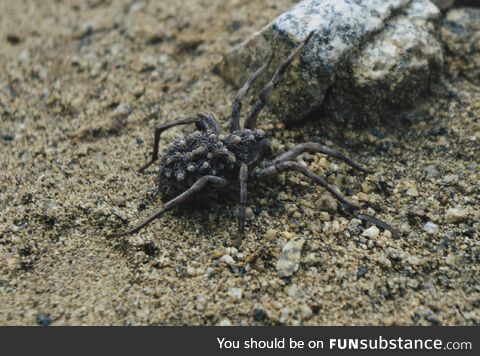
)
(83, 83)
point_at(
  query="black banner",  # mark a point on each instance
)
(239, 340)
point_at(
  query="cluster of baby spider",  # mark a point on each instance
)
(207, 158)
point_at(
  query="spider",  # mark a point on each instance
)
(207, 158)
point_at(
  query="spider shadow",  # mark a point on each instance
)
(389, 130)
(203, 216)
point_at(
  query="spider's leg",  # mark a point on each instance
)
(271, 85)
(243, 177)
(234, 121)
(379, 223)
(202, 121)
(313, 147)
(186, 195)
(276, 169)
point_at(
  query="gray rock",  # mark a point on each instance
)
(393, 70)
(431, 228)
(368, 55)
(289, 259)
(456, 215)
(461, 34)
(444, 4)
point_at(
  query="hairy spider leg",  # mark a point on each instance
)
(313, 147)
(251, 120)
(243, 177)
(278, 168)
(242, 93)
(203, 121)
(379, 223)
(185, 196)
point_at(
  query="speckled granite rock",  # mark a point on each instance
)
(461, 35)
(444, 4)
(289, 260)
(393, 70)
(384, 47)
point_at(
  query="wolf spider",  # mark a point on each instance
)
(208, 158)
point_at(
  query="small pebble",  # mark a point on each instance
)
(450, 260)
(372, 232)
(431, 171)
(431, 228)
(368, 187)
(450, 179)
(259, 314)
(227, 259)
(235, 293)
(306, 311)
(412, 191)
(363, 197)
(270, 235)
(44, 319)
(456, 215)
(362, 272)
(225, 322)
(121, 112)
(324, 216)
(289, 259)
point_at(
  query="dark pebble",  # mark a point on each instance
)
(378, 134)
(44, 319)
(235, 25)
(362, 272)
(7, 138)
(438, 131)
(259, 314)
(242, 271)
(13, 39)
(386, 145)
(355, 230)
(469, 231)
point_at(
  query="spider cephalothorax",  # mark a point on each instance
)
(209, 158)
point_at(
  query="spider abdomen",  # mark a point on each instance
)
(188, 159)
(203, 153)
